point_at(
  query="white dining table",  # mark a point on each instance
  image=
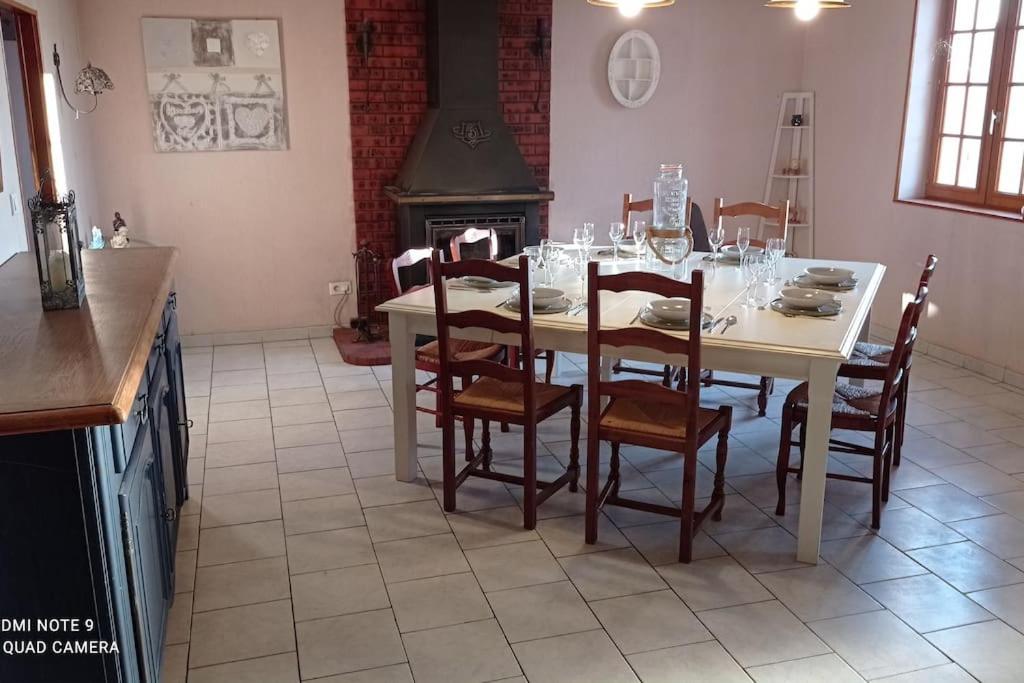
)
(761, 343)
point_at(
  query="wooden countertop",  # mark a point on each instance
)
(79, 368)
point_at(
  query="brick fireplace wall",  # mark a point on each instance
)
(388, 95)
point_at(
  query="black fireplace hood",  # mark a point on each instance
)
(463, 147)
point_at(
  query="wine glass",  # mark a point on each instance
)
(753, 268)
(548, 259)
(716, 237)
(616, 231)
(578, 263)
(776, 250)
(639, 236)
(588, 235)
(742, 240)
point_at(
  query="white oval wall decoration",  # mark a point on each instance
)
(634, 68)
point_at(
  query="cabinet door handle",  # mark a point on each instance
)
(143, 412)
(187, 424)
(170, 514)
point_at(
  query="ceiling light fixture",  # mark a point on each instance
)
(806, 10)
(631, 8)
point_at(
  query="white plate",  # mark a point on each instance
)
(674, 310)
(483, 282)
(827, 310)
(798, 297)
(829, 275)
(804, 280)
(561, 307)
(647, 317)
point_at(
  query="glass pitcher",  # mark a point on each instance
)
(670, 190)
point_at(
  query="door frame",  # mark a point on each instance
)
(32, 70)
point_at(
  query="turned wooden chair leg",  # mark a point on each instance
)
(574, 449)
(485, 444)
(762, 395)
(613, 471)
(448, 463)
(467, 427)
(887, 462)
(803, 448)
(901, 420)
(686, 514)
(530, 477)
(876, 482)
(721, 453)
(782, 464)
(666, 376)
(593, 481)
(549, 358)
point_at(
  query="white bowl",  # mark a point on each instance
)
(546, 296)
(675, 310)
(805, 298)
(829, 276)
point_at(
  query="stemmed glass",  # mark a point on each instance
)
(639, 236)
(742, 240)
(775, 248)
(617, 231)
(583, 237)
(754, 268)
(548, 258)
(579, 268)
(716, 237)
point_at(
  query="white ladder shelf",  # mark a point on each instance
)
(791, 144)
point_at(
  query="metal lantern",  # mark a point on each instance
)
(58, 251)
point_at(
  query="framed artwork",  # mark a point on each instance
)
(215, 85)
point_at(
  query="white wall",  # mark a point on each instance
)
(260, 233)
(857, 61)
(12, 216)
(724, 65)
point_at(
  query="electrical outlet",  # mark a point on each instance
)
(339, 288)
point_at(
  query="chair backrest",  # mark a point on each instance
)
(929, 269)
(694, 218)
(484, 319)
(472, 236)
(408, 259)
(688, 401)
(629, 206)
(778, 216)
(903, 348)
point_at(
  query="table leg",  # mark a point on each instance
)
(403, 388)
(812, 490)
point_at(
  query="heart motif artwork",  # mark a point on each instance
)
(215, 85)
(252, 120)
(258, 43)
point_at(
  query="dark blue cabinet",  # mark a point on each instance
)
(88, 528)
(146, 553)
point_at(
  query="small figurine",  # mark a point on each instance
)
(120, 239)
(97, 238)
(797, 120)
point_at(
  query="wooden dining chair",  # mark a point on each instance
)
(428, 354)
(501, 393)
(778, 217)
(647, 414)
(877, 356)
(700, 239)
(780, 214)
(860, 409)
(474, 236)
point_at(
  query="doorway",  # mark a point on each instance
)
(24, 140)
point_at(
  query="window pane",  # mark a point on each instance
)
(960, 58)
(947, 161)
(1018, 59)
(964, 20)
(988, 14)
(969, 156)
(974, 120)
(1010, 167)
(1014, 124)
(981, 61)
(952, 120)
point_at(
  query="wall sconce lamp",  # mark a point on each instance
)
(364, 38)
(91, 80)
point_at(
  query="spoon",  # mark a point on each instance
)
(729, 322)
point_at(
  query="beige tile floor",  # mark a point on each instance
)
(301, 558)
